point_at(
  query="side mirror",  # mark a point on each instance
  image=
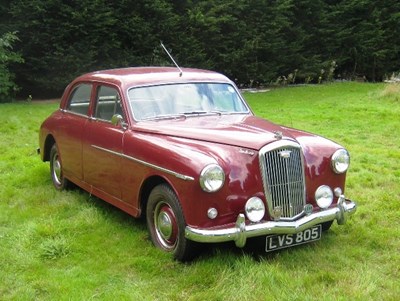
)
(118, 120)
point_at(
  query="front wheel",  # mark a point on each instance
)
(166, 224)
(56, 171)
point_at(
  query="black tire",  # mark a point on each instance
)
(56, 171)
(166, 224)
(326, 226)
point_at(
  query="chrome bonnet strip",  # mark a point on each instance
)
(168, 171)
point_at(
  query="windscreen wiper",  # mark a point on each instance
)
(165, 116)
(195, 113)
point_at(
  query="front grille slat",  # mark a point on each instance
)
(284, 179)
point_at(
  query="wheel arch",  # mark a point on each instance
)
(147, 186)
(49, 142)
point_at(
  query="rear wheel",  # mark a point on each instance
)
(56, 171)
(166, 224)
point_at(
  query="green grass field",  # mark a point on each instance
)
(71, 246)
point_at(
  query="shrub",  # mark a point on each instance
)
(8, 56)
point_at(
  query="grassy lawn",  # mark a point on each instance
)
(71, 246)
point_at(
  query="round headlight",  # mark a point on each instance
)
(255, 209)
(340, 161)
(324, 196)
(212, 178)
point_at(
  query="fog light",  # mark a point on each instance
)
(255, 209)
(212, 213)
(324, 196)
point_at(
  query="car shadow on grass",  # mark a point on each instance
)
(107, 210)
(255, 249)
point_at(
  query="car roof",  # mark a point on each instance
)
(139, 76)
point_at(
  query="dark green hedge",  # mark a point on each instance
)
(252, 42)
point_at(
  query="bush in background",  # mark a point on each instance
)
(8, 88)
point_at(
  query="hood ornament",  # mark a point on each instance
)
(278, 135)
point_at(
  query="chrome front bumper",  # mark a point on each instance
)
(241, 231)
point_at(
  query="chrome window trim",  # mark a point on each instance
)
(91, 118)
(75, 113)
(168, 171)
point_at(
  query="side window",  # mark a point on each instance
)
(108, 103)
(79, 99)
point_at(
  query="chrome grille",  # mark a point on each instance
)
(284, 178)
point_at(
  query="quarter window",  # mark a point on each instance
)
(80, 99)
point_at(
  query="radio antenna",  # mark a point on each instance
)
(172, 59)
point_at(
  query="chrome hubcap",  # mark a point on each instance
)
(164, 225)
(57, 170)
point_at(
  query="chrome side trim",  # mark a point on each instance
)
(241, 231)
(168, 171)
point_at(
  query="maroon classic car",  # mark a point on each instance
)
(184, 150)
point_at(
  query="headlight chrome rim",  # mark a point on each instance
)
(340, 161)
(255, 209)
(212, 178)
(324, 196)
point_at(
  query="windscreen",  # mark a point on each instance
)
(164, 101)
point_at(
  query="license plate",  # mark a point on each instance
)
(276, 242)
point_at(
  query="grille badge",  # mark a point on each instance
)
(308, 209)
(285, 154)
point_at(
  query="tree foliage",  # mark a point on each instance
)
(7, 56)
(258, 41)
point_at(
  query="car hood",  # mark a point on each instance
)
(239, 130)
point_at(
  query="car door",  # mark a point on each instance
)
(69, 135)
(102, 144)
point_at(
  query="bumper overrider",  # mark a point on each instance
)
(241, 231)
